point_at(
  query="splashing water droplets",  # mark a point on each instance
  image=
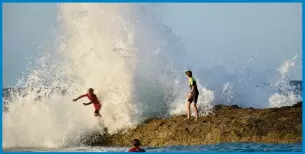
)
(136, 65)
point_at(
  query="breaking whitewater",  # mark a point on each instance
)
(136, 65)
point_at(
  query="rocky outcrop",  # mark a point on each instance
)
(226, 124)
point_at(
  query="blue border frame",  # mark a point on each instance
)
(160, 1)
(1, 79)
(152, 1)
(303, 42)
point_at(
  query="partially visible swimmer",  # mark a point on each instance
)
(93, 99)
(136, 146)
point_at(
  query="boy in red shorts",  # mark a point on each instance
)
(93, 99)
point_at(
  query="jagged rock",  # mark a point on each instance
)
(227, 124)
(235, 106)
(299, 104)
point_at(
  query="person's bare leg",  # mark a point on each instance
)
(97, 115)
(188, 112)
(196, 111)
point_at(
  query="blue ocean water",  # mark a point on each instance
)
(234, 147)
(221, 147)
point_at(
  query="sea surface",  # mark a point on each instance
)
(222, 147)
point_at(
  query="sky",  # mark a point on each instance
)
(219, 33)
(232, 34)
(27, 30)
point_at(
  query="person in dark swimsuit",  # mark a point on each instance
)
(136, 146)
(93, 100)
(192, 96)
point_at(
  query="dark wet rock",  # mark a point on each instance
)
(226, 124)
(235, 106)
(299, 104)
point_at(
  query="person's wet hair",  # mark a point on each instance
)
(136, 142)
(188, 73)
(91, 90)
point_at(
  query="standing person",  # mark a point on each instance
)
(93, 99)
(192, 96)
(136, 146)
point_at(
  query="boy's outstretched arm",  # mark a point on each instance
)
(87, 103)
(79, 97)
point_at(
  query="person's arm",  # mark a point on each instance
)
(191, 81)
(192, 89)
(79, 97)
(87, 103)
